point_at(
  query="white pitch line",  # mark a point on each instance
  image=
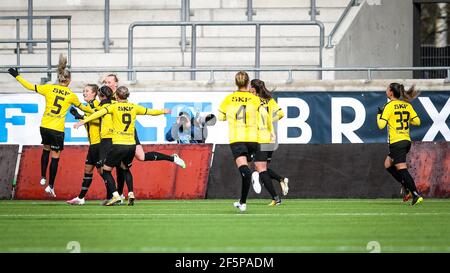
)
(131, 215)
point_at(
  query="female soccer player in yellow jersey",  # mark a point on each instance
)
(93, 130)
(124, 145)
(58, 98)
(240, 109)
(269, 112)
(112, 81)
(398, 114)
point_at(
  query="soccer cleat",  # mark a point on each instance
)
(416, 200)
(43, 181)
(76, 201)
(255, 182)
(50, 191)
(122, 199)
(113, 201)
(241, 207)
(406, 197)
(284, 186)
(180, 162)
(131, 199)
(275, 202)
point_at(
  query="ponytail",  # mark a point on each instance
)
(409, 95)
(64, 75)
(261, 89)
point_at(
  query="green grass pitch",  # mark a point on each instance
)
(215, 226)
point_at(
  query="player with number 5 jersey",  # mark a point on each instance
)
(58, 99)
(398, 114)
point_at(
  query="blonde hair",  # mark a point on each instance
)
(409, 95)
(241, 79)
(122, 92)
(64, 75)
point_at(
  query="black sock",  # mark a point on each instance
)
(246, 181)
(155, 156)
(274, 175)
(107, 176)
(53, 170)
(128, 179)
(267, 181)
(120, 180)
(44, 162)
(393, 171)
(409, 181)
(87, 180)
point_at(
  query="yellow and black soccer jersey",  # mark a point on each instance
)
(106, 123)
(398, 115)
(241, 110)
(123, 118)
(58, 99)
(93, 127)
(269, 112)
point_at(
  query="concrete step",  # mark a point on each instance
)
(49, 5)
(121, 31)
(128, 16)
(159, 58)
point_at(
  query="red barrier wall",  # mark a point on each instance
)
(430, 166)
(152, 179)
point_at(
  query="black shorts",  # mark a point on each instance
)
(105, 147)
(93, 156)
(136, 138)
(53, 138)
(262, 156)
(120, 153)
(398, 151)
(247, 149)
(265, 151)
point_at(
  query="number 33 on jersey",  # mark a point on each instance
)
(398, 115)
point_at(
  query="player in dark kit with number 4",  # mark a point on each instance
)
(124, 145)
(58, 99)
(398, 114)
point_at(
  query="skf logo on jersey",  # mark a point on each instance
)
(125, 108)
(400, 106)
(240, 99)
(60, 92)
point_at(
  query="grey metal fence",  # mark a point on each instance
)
(48, 40)
(194, 26)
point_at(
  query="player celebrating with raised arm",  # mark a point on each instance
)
(240, 109)
(124, 145)
(58, 98)
(398, 114)
(269, 112)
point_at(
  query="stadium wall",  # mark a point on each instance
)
(8, 159)
(152, 180)
(338, 171)
(379, 34)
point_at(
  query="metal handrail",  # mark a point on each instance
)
(194, 25)
(47, 41)
(339, 21)
(212, 70)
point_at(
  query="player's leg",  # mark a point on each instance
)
(46, 141)
(87, 180)
(56, 147)
(284, 181)
(105, 147)
(391, 169)
(125, 166)
(155, 156)
(400, 164)
(261, 167)
(114, 157)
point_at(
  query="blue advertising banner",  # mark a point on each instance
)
(310, 117)
(350, 117)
